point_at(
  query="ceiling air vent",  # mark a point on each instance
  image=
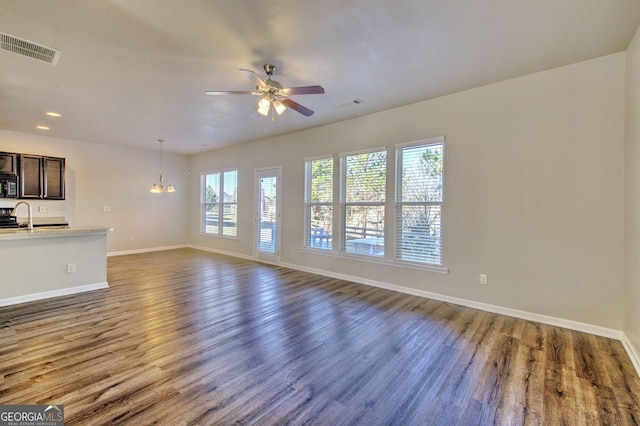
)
(27, 48)
(352, 102)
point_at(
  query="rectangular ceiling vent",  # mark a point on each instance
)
(354, 101)
(27, 48)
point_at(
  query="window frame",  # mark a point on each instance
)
(221, 203)
(398, 203)
(343, 205)
(325, 240)
(391, 234)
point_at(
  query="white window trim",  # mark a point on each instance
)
(341, 204)
(307, 203)
(391, 203)
(438, 140)
(397, 263)
(203, 177)
(318, 157)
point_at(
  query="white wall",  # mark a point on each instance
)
(534, 190)
(632, 212)
(99, 175)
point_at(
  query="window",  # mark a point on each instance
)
(419, 201)
(220, 203)
(356, 218)
(319, 203)
(363, 178)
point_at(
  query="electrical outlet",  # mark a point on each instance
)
(71, 268)
(484, 280)
(106, 208)
(42, 209)
(130, 238)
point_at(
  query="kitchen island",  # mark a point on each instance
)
(51, 261)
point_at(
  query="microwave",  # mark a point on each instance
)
(8, 186)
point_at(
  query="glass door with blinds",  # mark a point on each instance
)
(267, 235)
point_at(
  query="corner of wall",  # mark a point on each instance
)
(631, 325)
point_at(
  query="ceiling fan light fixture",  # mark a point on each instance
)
(279, 106)
(263, 106)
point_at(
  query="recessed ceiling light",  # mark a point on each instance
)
(41, 127)
(53, 114)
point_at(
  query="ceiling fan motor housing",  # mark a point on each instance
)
(273, 86)
(269, 69)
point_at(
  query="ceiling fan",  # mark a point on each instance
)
(274, 97)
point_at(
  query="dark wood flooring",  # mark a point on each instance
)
(187, 337)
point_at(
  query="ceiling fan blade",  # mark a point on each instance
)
(303, 90)
(251, 75)
(297, 107)
(232, 92)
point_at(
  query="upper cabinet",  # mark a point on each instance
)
(30, 176)
(8, 163)
(53, 178)
(41, 177)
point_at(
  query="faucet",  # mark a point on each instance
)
(29, 217)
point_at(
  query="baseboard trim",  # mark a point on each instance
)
(633, 354)
(50, 294)
(146, 250)
(225, 253)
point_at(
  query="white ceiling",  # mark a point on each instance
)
(134, 71)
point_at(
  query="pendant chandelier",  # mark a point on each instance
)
(162, 188)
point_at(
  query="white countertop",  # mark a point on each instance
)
(46, 232)
(44, 220)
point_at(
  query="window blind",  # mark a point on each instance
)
(419, 202)
(319, 203)
(363, 191)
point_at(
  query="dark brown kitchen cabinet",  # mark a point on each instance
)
(41, 177)
(53, 178)
(30, 176)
